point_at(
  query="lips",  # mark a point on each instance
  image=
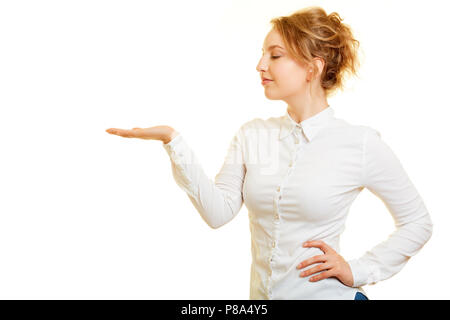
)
(265, 81)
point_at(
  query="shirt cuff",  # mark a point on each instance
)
(359, 273)
(180, 153)
(364, 273)
(173, 145)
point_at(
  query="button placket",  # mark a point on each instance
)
(276, 217)
(296, 138)
(294, 153)
(297, 134)
(273, 244)
(279, 196)
(270, 279)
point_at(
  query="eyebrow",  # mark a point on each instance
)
(273, 46)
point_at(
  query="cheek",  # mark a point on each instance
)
(291, 82)
(290, 77)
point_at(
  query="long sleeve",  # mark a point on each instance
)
(384, 176)
(217, 201)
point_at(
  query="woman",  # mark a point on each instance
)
(298, 174)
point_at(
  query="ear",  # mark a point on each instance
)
(315, 69)
(320, 64)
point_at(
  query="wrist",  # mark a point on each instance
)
(170, 136)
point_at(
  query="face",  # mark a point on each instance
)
(289, 77)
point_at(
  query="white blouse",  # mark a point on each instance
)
(298, 181)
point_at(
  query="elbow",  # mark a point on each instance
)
(429, 228)
(217, 218)
(213, 221)
(418, 231)
(214, 224)
(218, 222)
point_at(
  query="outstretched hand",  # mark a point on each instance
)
(332, 264)
(162, 133)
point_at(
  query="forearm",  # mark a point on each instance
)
(217, 201)
(389, 257)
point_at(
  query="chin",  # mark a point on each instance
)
(271, 96)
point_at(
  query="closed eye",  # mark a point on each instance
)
(275, 57)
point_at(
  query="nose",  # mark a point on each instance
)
(260, 67)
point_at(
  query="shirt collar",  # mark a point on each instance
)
(310, 126)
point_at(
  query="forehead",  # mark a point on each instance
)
(273, 40)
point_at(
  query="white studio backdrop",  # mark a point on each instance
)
(88, 215)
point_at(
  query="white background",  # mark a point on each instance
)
(88, 215)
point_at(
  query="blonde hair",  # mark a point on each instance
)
(310, 33)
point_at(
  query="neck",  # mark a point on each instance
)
(305, 106)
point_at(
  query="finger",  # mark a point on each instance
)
(127, 133)
(114, 130)
(121, 132)
(318, 244)
(321, 276)
(318, 268)
(309, 261)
